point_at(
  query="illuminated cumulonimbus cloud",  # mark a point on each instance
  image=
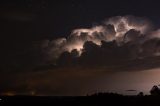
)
(115, 28)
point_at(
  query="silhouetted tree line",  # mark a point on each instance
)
(155, 91)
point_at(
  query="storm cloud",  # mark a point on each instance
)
(120, 41)
(119, 29)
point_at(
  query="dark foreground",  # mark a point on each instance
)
(108, 100)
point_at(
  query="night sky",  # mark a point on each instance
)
(79, 47)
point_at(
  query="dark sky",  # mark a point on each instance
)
(38, 19)
(27, 25)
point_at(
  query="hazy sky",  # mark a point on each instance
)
(73, 47)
